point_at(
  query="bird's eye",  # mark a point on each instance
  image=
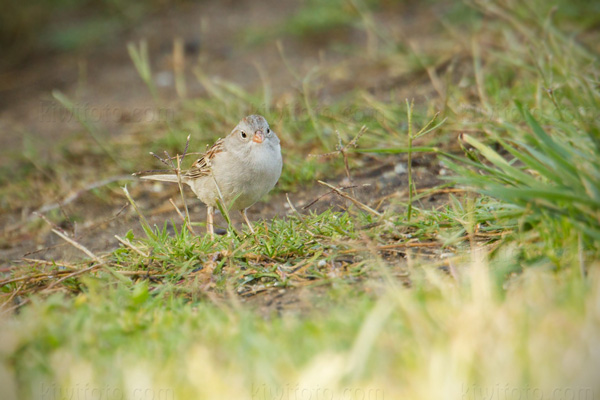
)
(244, 135)
(268, 130)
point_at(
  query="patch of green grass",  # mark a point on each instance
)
(284, 252)
(540, 146)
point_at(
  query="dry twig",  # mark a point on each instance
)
(342, 149)
(132, 246)
(327, 194)
(77, 245)
(352, 199)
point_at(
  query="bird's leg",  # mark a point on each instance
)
(210, 228)
(243, 211)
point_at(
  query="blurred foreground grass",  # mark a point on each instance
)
(442, 338)
(505, 305)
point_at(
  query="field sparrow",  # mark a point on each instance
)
(240, 169)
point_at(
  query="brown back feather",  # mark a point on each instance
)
(202, 166)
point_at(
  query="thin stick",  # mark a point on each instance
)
(179, 183)
(440, 191)
(178, 210)
(77, 245)
(81, 271)
(183, 218)
(342, 149)
(243, 212)
(48, 275)
(132, 246)
(290, 204)
(46, 262)
(409, 108)
(36, 276)
(409, 244)
(394, 246)
(8, 310)
(210, 225)
(135, 207)
(139, 273)
(326, 194)
(222, 206)
(14, 293)
(352, 199)
(12, 296)
(46, 220)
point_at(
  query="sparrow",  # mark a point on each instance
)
(237, 170)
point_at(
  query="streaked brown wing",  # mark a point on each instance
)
(201, 167)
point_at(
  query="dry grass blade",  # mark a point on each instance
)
(61, 264)
(180, 184)
(132, 246)
(327, 194)
(394, 246)
(342, 148)
(138, 273)
(73, 274)
(48, 275)
(287, 197)
(135, 207)
(339, 192)
(77, 245)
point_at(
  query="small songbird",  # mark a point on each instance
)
(239, 169)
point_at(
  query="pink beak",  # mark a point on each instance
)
(258, 137)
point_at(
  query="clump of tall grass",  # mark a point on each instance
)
(544, 154)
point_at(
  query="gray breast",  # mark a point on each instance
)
(247, 178)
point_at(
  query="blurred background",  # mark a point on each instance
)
(80, 48)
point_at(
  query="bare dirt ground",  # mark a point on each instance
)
(105, 77)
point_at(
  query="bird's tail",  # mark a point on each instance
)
(162, 178)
